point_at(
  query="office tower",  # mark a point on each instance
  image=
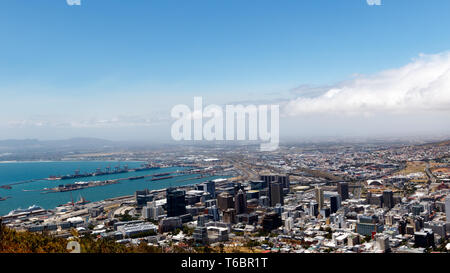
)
(258, 185)
(289, 224)
(200, 234)
(402, 227)
(268, 178)
(213, 213)
(264, 201)
(209, 187)
(210, 203)
(284, 180)
(237, 188)
(275, 194)
(382, 243)
(146, 213)
(175, 202)
(229, 216)
(424, 238)
(319, 197)
(388, 199)
(201, 220)
(271, 221)
(439, 228)
(313, 209)
(225, 201)
(334, 203)
(325, 212)
(278, 209)
(447, 208)
(142, 197)
(342, 188)
(240, 202)
(367, 225)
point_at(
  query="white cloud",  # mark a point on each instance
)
(73, 2)
(374, 2)
(420, 86)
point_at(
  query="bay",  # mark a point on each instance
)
(27, 194)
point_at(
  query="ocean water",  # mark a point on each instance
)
(27, 194)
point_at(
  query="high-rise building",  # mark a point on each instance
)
(268, 178)
(200, 234)
(424, 238)
(225, 201)
(313, 209)
(275, 194)
(271, 221)
(284, 180)
(240, 202)
(176, 204)
(319, 197)
(229, 216)
(213, 213)
(152, 211)
(209, 187)
(334, 203)
(289, 224)
(388, 199)
(342, 189)
(447, 208)
(264, 201)
(382, 243)
(142, 197)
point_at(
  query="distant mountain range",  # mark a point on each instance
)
(66, 143)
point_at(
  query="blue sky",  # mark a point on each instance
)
(107, 58)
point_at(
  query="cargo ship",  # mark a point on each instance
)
(147, 167)
(107, 171)
(161, 174)
(136, 178)
(161, 178)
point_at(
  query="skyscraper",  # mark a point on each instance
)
(284, 180)
(175, 202)
(268, 178)
(225, 201)
(313, 209)
(229, 216)
(388, 199)
(271, 220)
(275, 194)
(342, 189)
(447, 208)
(209, 187)
(240, 202)
(319, 197)
(334, 203)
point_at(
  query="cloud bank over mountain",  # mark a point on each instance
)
(420, 86)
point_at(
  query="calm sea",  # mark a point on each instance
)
(27, 194)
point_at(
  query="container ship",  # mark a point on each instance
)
(136, 178)
(147, 167)
(161, 178)
(107, 171)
